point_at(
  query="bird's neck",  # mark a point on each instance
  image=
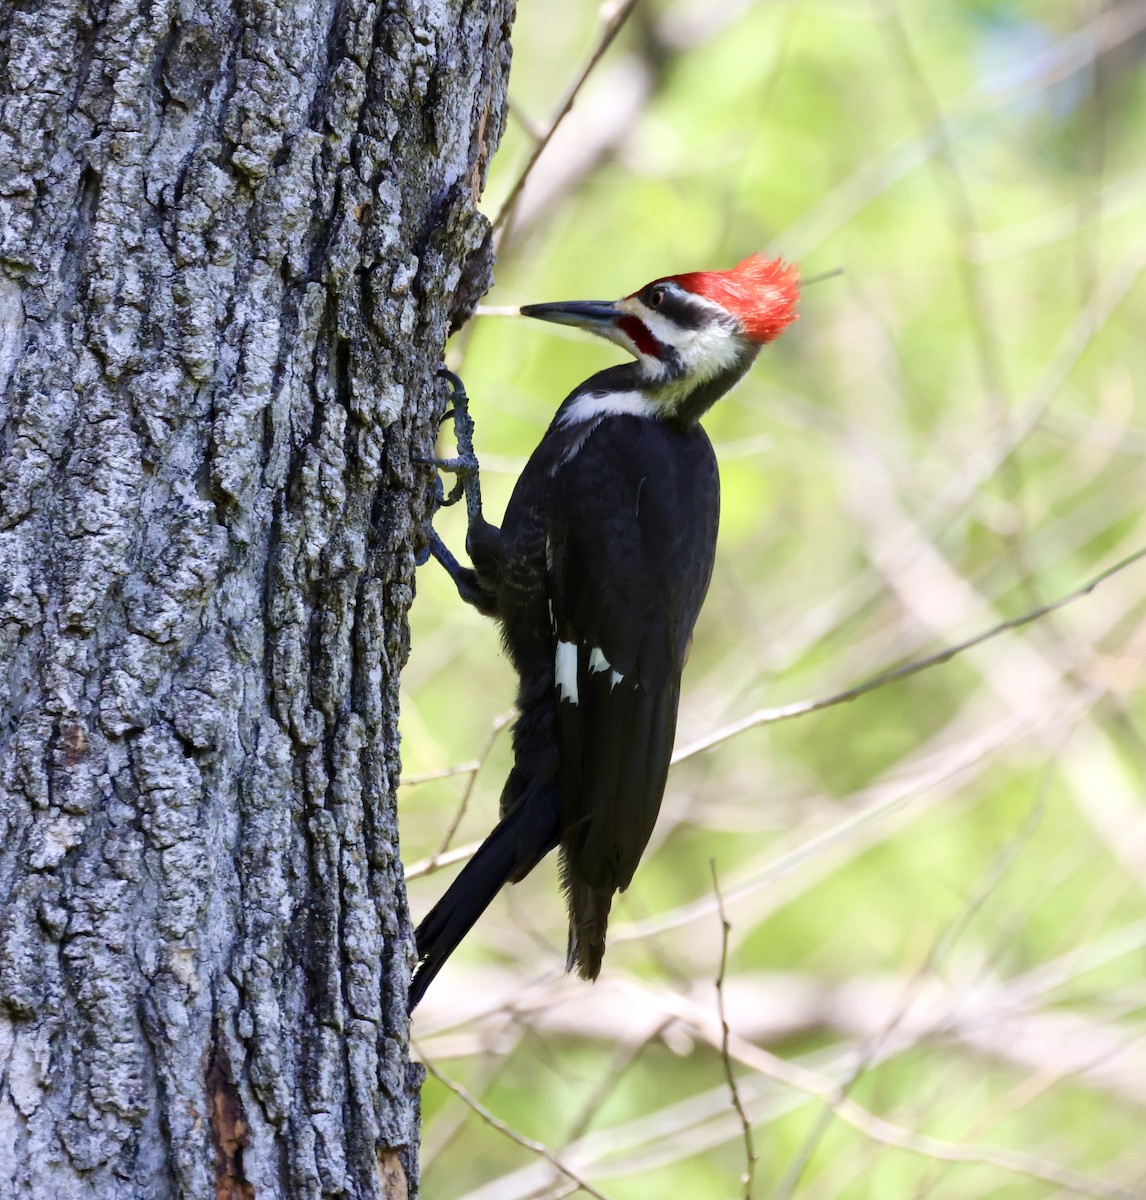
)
(673, 396)
(685, 398)
(684, 393)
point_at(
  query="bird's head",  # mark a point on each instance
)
(695, 331)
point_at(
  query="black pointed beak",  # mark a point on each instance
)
(597, 316)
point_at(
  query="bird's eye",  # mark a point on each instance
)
(655, 297)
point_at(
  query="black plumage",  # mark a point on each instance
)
(607, 545)
(632, 527)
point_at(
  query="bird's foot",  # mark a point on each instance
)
(464, 465)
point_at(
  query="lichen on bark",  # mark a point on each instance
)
(233, 236)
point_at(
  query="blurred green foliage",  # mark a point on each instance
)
(936, 891)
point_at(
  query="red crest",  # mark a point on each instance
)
(761, 292)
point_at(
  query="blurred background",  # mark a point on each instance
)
(935, 893)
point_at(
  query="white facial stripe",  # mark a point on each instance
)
(595, 405)
(705, 352)
(711, 351)
(666, 332)
(565, 671)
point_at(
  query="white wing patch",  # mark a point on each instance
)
(565, 671)
(598, 662)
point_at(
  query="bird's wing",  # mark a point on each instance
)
(630, 546)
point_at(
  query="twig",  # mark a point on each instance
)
(466, 768)
(538, 1148)
(427, 866)
(725, 1035)
(624, 1056)
(873, 806)
(499, 723)
(785, 712)
(443, 1135)
(612, 26)
(821, 277)
(886, 1132)
(871, 1051)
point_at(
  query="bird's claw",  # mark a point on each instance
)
(455, 382)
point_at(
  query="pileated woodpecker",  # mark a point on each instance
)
(597, 576)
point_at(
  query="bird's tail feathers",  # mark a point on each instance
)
(518, 842)
(588, 921)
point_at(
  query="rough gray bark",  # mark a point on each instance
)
(233, 234)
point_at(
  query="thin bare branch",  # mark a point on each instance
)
(465, 768)
(725, 1035)
(822, 277)
(785, 712)
(871, 809)
(871, 1051)
(612, 23)
(494, 1122)
(436, 861)
(499, 723)
(887, 1132)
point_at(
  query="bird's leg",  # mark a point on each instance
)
(437, 495)
(465, 578)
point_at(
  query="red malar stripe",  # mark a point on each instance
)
(639, 333)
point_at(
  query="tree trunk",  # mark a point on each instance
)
(234, 235)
